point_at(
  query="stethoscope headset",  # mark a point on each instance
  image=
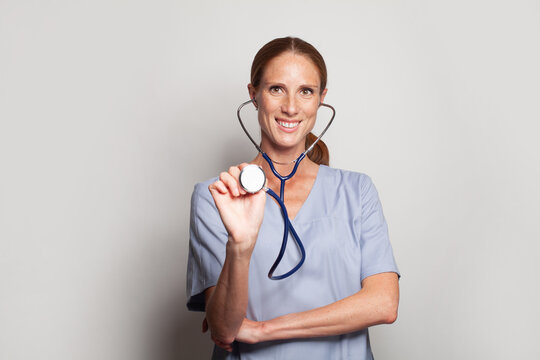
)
(252, 179)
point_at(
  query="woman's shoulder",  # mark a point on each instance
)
(201, 198)
(344, 192)
(201, 188)
(345, 178)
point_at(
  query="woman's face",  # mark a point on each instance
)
(287, 98)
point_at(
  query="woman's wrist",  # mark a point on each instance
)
(264, 331)
(277, 329)
(242, 248)
(253, 332)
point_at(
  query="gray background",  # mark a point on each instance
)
(112, 110)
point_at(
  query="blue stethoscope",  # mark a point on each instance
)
(252, 179)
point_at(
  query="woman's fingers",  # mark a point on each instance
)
(204, 325)
(221, 344)
(218, 186)
(231, 182)
(228, 182)
(235, 172)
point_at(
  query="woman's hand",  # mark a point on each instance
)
(227, 347)
(241, 212)
(250, 333)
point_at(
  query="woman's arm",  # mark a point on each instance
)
(226, 302)
(376, 303)
(242, 215)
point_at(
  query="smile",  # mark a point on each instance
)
(288, 124)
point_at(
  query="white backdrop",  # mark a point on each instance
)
(112, 110)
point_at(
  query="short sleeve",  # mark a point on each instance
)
(207, 241)
(377, 254)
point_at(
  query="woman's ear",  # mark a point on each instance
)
(323, 95)
(252, 93)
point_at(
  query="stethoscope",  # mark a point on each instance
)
(252, 179)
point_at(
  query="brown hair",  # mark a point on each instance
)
(319, 154)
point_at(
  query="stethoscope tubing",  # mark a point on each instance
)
(288, 227)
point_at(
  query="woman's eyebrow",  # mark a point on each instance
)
(273, 82)
(311, 86)
(278, 83)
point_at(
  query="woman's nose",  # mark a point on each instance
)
(289, 105)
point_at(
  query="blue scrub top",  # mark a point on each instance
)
(345, 235)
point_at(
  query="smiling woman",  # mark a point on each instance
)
(349, 280)
(288, 98)
(304, 52)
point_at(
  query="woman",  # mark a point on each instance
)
(349, 280)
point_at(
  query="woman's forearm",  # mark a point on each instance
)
(227, 302)
(376, 303)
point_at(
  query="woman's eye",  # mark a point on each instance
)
(276, 90)
(306, 92)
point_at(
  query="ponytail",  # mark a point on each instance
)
(319, 154)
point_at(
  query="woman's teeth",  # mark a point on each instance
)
(289, 125)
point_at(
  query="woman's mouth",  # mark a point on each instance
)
(288, 126)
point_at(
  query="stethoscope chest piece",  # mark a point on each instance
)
(252, 178)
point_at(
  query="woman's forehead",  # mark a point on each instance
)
(291, 67)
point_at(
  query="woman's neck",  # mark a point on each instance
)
(279, 153)
(285, 167)
(283, 159)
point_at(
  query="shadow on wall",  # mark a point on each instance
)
(178, 335)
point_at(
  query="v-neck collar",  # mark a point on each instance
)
(306, 202)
